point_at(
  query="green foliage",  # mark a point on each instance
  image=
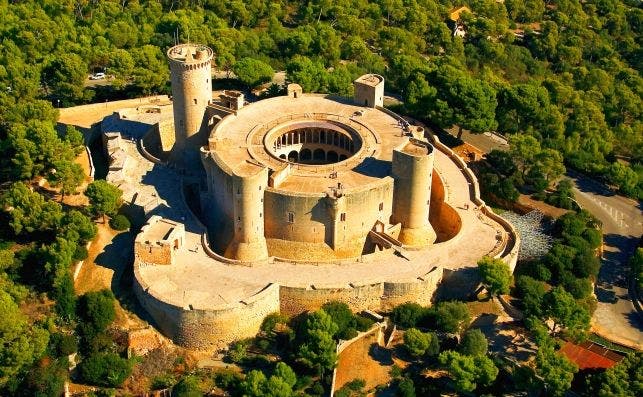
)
(624, 379)
(21, 343)
(408, 315)
(496, 275)
(104, 198)
(279, 384)
(188, 386)
(341, 315)
(238, 351)
(468, 371)
(561, 307)
(531, 293)
(252, 72)
(474, 343)
(563, 196)
(353, 388)
(105, 369)
(420, 344)
(119, 222)
(271, 321)
(29, 211)
(97, 309)
(46, 379)
(405, 388)
(556, 370)
(452, 317)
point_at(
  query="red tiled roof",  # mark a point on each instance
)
(590, 355)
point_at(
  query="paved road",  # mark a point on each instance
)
(615, 317)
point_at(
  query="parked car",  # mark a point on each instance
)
(97, 76)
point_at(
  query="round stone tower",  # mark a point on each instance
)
(191, 74)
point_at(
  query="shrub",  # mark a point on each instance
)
(105, 369)
(119, 222)
(408, 315)
(474, 343)
(406, 388)
(62, 345)
(96, 308)
(80, 253)
(188, 386)
(363, 323)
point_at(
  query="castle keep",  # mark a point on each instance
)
(304, 198)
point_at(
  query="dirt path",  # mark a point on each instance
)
(109, 257)
(366, 360)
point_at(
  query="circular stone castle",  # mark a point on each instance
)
(302, 199)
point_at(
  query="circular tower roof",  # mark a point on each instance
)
(190, 53)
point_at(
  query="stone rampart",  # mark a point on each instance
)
(206, 328)
(378, 296)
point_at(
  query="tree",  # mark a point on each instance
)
(474, 343)
(502, 162)
(406, 388)
(65, 76)
(311, 75)
(561, 307)
(66, 175)
(408, 314)
(419, 343)
(20, 343)
(105, 369)
(104, 199)
(468, 371)
(252, 72)
(623, 379)
(318, 351)
(96, 309)
(29, 211)
(341, 315)
(188, 386)
(555, 369)
(531, 292)
(496, 275)
(452, 317)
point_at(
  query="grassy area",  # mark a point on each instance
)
(610, 345)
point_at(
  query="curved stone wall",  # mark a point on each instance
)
(193, 327)
(342, 224)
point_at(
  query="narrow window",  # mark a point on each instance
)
(342, 217)
(291, 217)
(195, 101)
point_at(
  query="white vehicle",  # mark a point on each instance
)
(97, 76)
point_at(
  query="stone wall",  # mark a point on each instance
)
(207, 329)
(378, 297)
(445, 220)
(314, 220)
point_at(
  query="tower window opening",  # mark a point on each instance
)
(381, 206)
(291, 217)
(195, 102)
(342, 217)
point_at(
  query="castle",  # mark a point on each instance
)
(304, 198)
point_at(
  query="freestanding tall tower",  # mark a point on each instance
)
(191, 74)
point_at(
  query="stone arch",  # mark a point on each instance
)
(319, 155)
(305, 155)
(332, 156)
(282, 156)
(293, 156)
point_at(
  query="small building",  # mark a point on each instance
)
(158, 241)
